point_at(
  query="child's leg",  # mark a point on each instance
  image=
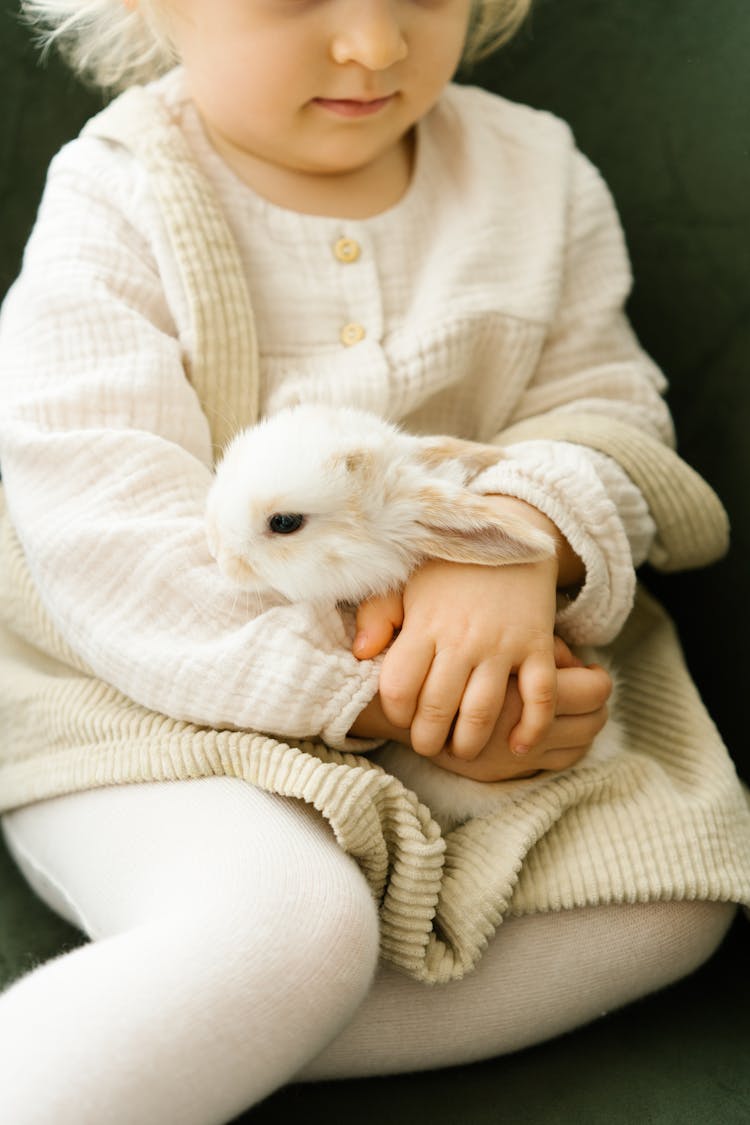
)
(541, 975)
(235, 939)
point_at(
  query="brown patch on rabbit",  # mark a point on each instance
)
(361, 461)
(473, 457)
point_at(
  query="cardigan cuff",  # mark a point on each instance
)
(357, 690)
(560, 480)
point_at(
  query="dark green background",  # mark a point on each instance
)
(658, 93)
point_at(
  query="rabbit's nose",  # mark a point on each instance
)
(236, 569)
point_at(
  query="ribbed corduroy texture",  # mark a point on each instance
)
(693, 526)
(226, 380)
(668, 820)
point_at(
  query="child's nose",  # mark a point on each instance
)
(370, 34)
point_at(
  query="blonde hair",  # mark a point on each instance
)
(114, 45)
(106, 42)
(493, 23)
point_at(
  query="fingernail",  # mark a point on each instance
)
(359, 643)
(519, 751)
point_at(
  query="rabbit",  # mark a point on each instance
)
(334, 505)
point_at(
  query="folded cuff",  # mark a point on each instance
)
(560, 480)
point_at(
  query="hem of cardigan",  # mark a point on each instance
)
(424, 882)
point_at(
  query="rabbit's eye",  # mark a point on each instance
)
(284, 523)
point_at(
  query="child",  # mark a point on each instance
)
(449, 260)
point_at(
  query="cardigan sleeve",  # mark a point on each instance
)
(591, 362)
(106, 460)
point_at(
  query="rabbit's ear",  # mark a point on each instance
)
(474, 458)
(460, 527)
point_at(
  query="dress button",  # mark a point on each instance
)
(346, 250)
(352, 334)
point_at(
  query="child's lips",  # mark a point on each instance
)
(354, 107)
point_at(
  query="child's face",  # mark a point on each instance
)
(322, 87)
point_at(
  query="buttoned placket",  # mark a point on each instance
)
(355, 275)
(359, 287)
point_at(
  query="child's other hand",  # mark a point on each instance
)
(582, 694)
(377, 621)
(581, 712)
(466, 629)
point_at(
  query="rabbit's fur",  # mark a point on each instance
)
(376, 501)
(333, 504)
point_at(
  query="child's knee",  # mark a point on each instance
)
(315, 929)
(692, 931)
(324, 901)
(331, 921)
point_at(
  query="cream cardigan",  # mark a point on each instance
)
(492, 292)
(670, 820)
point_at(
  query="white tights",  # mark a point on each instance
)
(235, 950)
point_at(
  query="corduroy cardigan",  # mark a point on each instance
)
(669, 820)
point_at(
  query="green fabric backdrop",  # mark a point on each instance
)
(658, 93)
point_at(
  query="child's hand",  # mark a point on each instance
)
(466, 629)
(377, 621)
(582, 694)
(581, 712)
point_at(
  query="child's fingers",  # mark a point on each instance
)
(582, 690)
(377, 620)
(405, 669)
(571, 739)
(537, 684)
(480, 709)
(564, 656)
(439, 701)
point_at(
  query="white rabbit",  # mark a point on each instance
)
(333, 504)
